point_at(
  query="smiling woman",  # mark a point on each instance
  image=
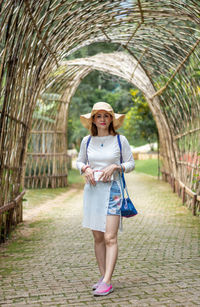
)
(100, 154)
(102, 121)
(102, 124)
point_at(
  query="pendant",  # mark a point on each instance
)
(102, 145)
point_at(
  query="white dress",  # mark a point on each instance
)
(102, 152)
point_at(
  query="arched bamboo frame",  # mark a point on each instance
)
(35, 36)
(126, 67)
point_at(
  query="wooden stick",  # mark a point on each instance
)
(12, 204)
(160, 91)
(186, 133)
(141, 12)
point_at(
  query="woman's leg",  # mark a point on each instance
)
(110, 236)
(100, 250)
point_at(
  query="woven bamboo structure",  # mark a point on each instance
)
(159, 53)
(47, 159)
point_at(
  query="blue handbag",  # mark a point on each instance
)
(127, 208)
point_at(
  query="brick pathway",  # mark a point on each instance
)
(158, 265)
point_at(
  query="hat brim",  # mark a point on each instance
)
(118, 119)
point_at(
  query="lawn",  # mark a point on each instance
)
(35, 196)
(149, 166)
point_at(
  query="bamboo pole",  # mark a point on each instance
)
(160, 91)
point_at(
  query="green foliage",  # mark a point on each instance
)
(139, 123)
(139, 127)
(95, 87)
(93, 49)
(75, 131)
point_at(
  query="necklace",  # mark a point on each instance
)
(103, 141)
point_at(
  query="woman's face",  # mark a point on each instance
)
(102, 120)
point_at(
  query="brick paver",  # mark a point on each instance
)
(158, 263)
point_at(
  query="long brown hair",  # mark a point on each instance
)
(94, 131)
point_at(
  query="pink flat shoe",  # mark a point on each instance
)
(103, 289)
(95, 286)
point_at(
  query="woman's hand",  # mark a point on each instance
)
(89, 176)
(108, 171)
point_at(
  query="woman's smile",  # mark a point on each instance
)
(102, 120)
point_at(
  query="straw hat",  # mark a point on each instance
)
(86, 119)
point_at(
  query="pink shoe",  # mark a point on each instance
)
(103, 289)
(95, 286)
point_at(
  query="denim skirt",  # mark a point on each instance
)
(114, 205)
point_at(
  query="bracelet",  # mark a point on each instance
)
(85, 168)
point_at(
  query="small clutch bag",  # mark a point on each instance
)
(97, 175)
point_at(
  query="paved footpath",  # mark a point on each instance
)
(52, 263)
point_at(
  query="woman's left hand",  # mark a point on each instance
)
(108, 171)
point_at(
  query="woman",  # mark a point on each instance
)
(99, 161)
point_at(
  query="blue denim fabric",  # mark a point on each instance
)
(114, 206)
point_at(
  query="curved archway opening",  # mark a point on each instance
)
(124, 65)
(100, 62)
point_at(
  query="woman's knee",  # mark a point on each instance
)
(98, 237)
(110, 239)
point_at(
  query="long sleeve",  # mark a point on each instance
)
(128, 161)
(82, 158)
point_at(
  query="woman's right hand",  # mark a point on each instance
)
(89, 175)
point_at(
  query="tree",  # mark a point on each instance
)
(139, 126)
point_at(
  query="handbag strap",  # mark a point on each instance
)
(122, 178)
(120, 147)
(121, 160)
(122, 186)
(87, 144)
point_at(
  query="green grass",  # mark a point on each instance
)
(149, 166)
(39, 196)
(74, 177)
